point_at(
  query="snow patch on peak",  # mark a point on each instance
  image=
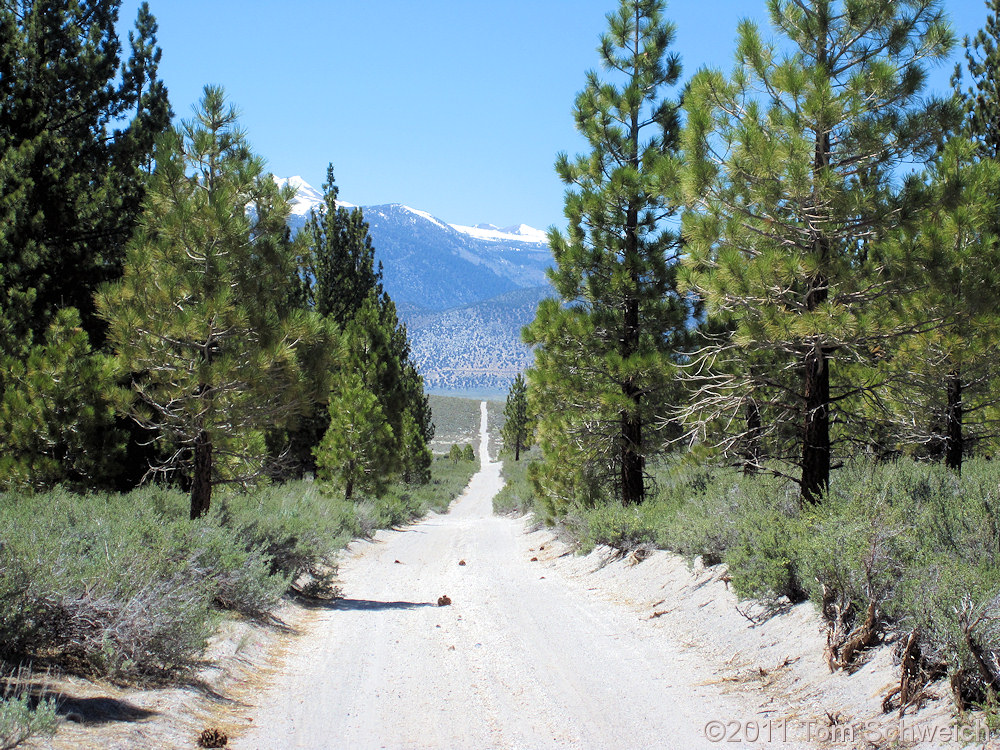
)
(518, 233)
(529, 233)
(425, 215)
(306, 196)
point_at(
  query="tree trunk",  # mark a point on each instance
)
(954, 440)
(816, 376)
(517, 447)
(816, 428)
(633, 463)
(753, 450)
(201, 481)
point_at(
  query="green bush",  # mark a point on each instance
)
(20, 722)
(624, 528)
(127, 585)
(516, 496)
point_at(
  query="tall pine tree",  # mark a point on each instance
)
(604, 349)
(792, 161)
(981, 98)
(76, 131)
(343, 283)
(943, 383)
(517, 426)
(200, 316)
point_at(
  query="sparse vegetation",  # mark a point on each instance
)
(21, 722)
(901, 548)
(456, 421)
(515, 498)
(128, 585)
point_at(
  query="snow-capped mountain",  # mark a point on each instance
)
(432, 265)
(306, 199)
(449, 277)
(518, 233)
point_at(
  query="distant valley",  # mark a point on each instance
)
(464, 293)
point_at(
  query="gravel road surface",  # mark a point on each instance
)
(520, 659)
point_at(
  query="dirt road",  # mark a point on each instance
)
(519, 660)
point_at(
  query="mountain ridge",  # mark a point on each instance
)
(464, 293)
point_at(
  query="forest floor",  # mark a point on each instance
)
(537, 648)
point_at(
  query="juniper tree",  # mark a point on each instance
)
(791, 166)
(199, 317)
(603, 357)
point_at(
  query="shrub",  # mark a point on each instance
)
(20, 722)
(127, 585)
(695, 510)
(297, 527)
(516, 496)
(767, 535)
(111, 583)
(623, 528)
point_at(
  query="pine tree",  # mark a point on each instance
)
(982, 97)
(57, 413)
(603, 368)
(357, 448)
(69, 183)
(344, 285)
(199, 317)
(338, 273)
(76, 137)
(516, 431)
(342, 263)
(416, 457)
(944, 388)
(144, 97)
(791, 164)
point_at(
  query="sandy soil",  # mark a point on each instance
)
(524, 657)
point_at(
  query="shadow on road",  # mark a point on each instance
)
(368, 604)
(102, 710)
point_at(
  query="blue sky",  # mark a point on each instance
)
(457, 107)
